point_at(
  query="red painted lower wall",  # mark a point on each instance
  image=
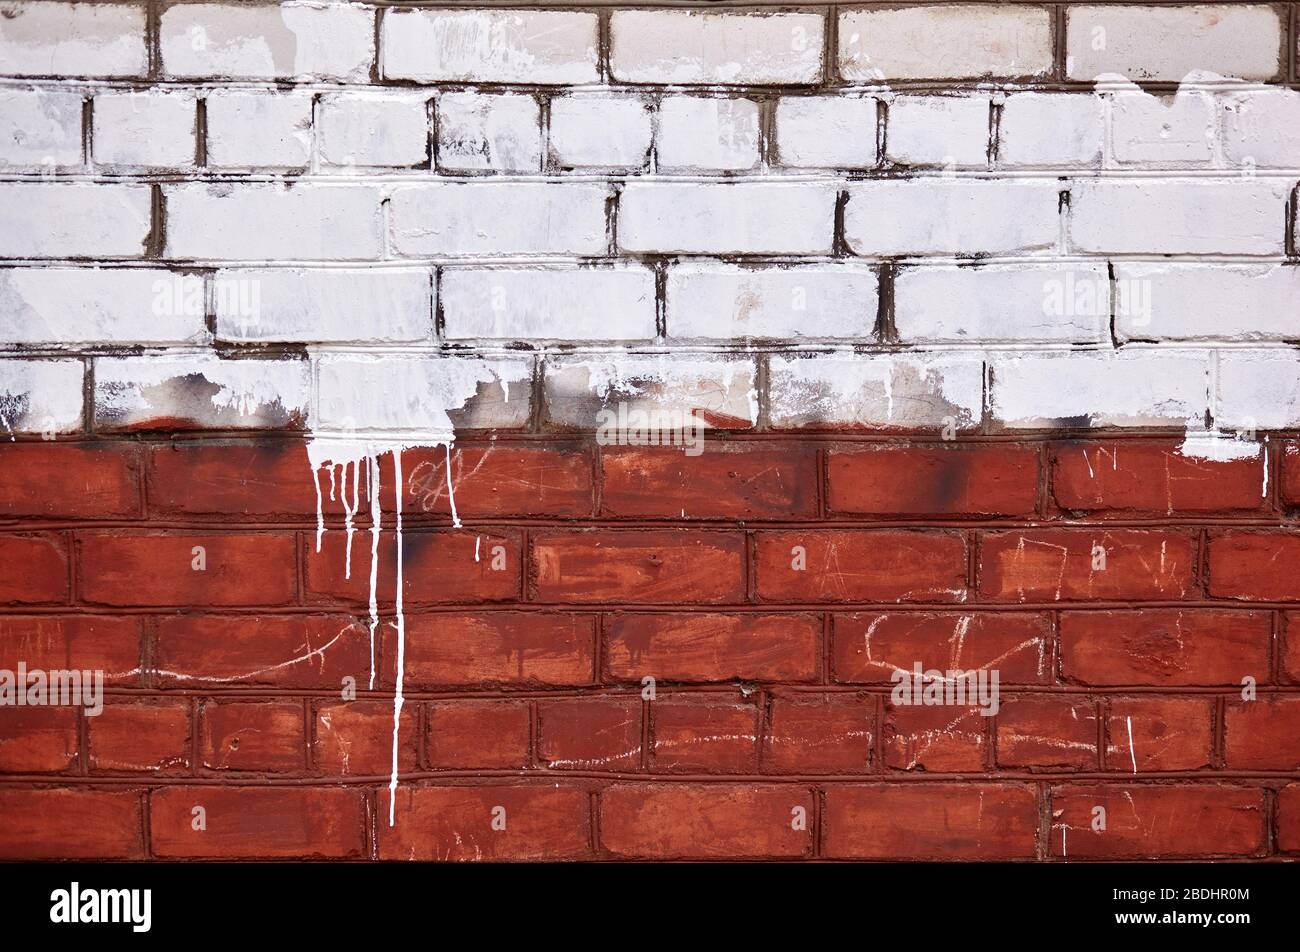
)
(770, 588)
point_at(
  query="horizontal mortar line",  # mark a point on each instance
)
(497, 523)
(601, 263)
(632, 688)
(381, 177)
(572, 438)
(838, 87)
(1243, 778)
(415, 607)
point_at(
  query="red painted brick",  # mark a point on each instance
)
(449, 566)
(257, 822)
(69, 480)
(70, 824)
(38, 739)
(36, 569)
(1263, 734)
(73, 642)
(708, 647)
(238, 735)
(355, 739)
(727, 481)
(1167, 733)
(269, 478)
(671, 566)
(869, 647)
(930, 821)
(1254, 566)
(1289, 638)
(1288, 818)
(456, 823)
(490, 648)
(134, 567)
(1164, 646)
(1156, 821)
(473, 734)
(499, 480)
(688, 821)
(589, 733)
(1289, 482)
(1054, 733)
(829, 733)
(286, 651)
(1052, 565)
(854, 565)
(935, 738)
(140, 735)
(1128, 476)
(993, 480)
(704, 733)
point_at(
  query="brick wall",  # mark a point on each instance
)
(314, 317)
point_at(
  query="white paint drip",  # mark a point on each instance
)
(1131, 753)
(372, 487)
(451, 493)
(401, 638)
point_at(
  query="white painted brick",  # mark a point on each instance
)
(100, 306)
(64, 220)
(491, 218)
(1050, 129)
(295, 305)
(1152, 130)
(687, 46)
(718, 301)
(742, 218)
(73, 39)
(876, 391)
(1167, 43)
(255, 222)
(705, 133)
(200, 391)
(836, 132)
(383, 130)
(491, 46)
(1130, 388)
(717, 390)
(1261, 129)
(945, 42)
(259, 129)
(40, 396)
(1258, 390)
(1187, 216)
(948, 216)
(40, 127)
(949, 131)
(333, 41)
(498, 133)
(152, 129)
(1160, 301)
(1058, 303)
(424, 395)
(595, 131)
(568, 304)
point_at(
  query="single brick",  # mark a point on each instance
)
(82, 481)
(704, 733)
(1164, 646)
(690, 821)
(946, 131)
(1052, 565)
(473, 734)
(1159, 733)
(41, 396)
(36, 569)
(498, 133)
(302, 41)
(874, 565)
(149, 129)
(355, 739)
(524, 649)
(590, 733)
(1261, 734)
(1051, 733)
(689, 46)
(600, 131)
(699, 133)
(82, 642)
(1050, 129)
(1254, 566)
(137, 736)
(63, 40)
(384, 130)
(496, 479)
(669, 566)
(74, 220)
(72, 823)
(38, 739)
(701, 647)
(1194, 302)
(1148, 130)
(826, 132)
(819, 733)
(989, 480)
(930, 821)
(935, 739)
(40, 127)
(256, 129)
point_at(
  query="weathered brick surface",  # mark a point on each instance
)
(711, 371)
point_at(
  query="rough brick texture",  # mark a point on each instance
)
(970, 325)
